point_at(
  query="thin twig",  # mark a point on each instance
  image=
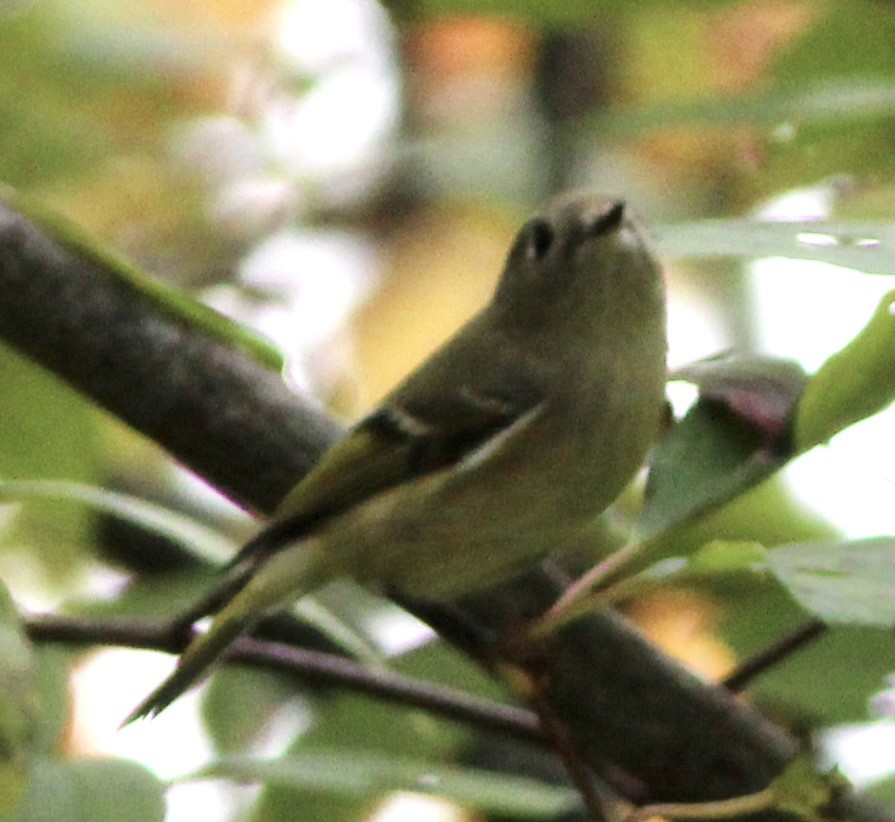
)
(768, 658)
(719, 809)
(311, 666)
(576, 599)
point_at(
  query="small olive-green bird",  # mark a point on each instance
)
(496, 451)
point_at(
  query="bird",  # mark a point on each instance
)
(495, 452)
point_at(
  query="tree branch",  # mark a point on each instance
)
(763, 661)
(626, 706)
(313, 667)
(212, 406)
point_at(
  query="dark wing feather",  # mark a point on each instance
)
(389, 447)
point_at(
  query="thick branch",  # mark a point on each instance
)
(626, 706)
(212, 406)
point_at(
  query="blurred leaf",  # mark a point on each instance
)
(362, 775)
(207, 542)
(708, 458)
(827, 682)
(19, 705)
(46, 429)
(17, 679)
(312, 610)
(170, 301)
(768, 514)
(158, 596)
(565, 11)
(719, 558)
(803, 792)
(846, 44)
(99, 86)
(882, 791)
(849, 42)
(722, 556)
(731, 439)
(852, 384)
(832, 101)
(866, 246)
(369, 729)
(100, 790)
(54, 663)
(760, 390)
(441, 663)
(238, 703)
(47, 130)
(737, 433)
(846, 582)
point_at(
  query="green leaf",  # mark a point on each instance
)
(363, 775)
(719, 558)
(19, 705)
(731, 439)
(768, 514)
(850, 41)
(846, 582)
(101, 790)
(709, 458)
(157, 596)
(854, 383)
(46, 429)
(238, 703)
(171, 301)
(882, 791)
(737, 434)
(833, 100)
(867, 246)
(209, 543)
(757, 611)
(761, 391)
(726, 556)
(312, 611)
(54, 663)
(566, 11)
(804, 792)
(348, 721)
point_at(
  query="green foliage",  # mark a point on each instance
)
(803, 792)
(170, 301)
(19, 706)
(845, 583)
(733, 438)
(55, 437)
(852, 384)
(34, 784)
(79, 72)
(208, 543)
(866, 246)
(717, 518)
(830, 104)
(99, 790)
(361, 775)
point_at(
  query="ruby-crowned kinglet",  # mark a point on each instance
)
(497, 450)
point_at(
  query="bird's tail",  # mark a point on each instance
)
(287, 576)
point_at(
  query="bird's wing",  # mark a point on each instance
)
(420, 430)
(416, 432)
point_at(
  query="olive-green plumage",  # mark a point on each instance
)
(494, 452)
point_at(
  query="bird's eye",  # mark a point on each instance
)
(609, 220)
(539, 238)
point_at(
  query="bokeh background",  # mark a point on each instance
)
(344, 176)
